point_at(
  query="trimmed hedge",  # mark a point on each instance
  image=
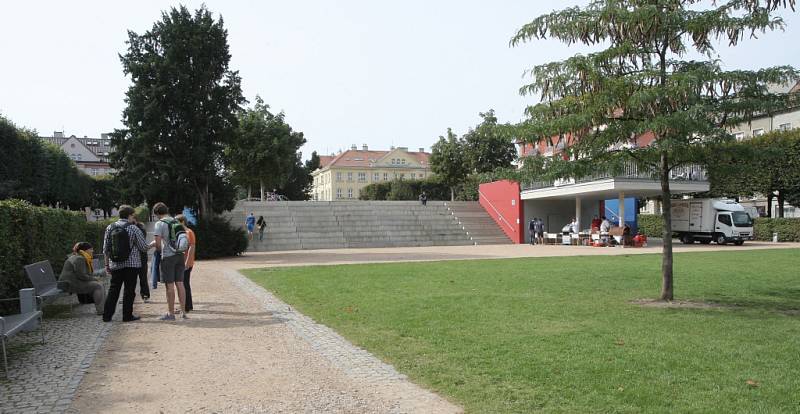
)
(30, 234)
(217, 238)
(788, 229)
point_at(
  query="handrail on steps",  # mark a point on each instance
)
(499, 215)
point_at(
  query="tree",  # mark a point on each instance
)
(181, 110)
(448, 161)
(488, 146)
(105, 195)
(265, 152)
(641, 83)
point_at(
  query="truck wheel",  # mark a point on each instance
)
(720, 239)
(687, 239)
(739, 242)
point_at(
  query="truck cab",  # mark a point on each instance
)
(733, 226)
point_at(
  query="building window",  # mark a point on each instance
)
(738, 135)
(385, 176)
(94, 171)
(403, 161)
(758, 132)
(338, 193)
(349, 176)
(362, 176)
(349, 193)
(402, 176)
(785, 127)
(338, 176)
(376, 177)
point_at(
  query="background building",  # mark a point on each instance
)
(90, 154)
(342, 176)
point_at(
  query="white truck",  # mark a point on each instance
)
(707, 220)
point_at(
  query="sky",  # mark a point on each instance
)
(347, 72)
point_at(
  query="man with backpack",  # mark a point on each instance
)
(172, 240)
(122, 244)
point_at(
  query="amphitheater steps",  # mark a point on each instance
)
(477, 223)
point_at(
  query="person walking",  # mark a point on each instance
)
(77, 275)
(172, 260)
(122, 243)
(250, 223)
(144, 289)
(262, 226)
(532, 230)
(423, 199)
(539, 230)
(188, 262)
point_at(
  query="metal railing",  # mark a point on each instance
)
(499, 215)
(629, 171)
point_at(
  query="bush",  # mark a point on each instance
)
(217, 238)
(788, 229)
(401, 190)
(30, 234)
(381, 191)
(651, 225)
(375, 191)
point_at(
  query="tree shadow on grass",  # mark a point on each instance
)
(784, 302)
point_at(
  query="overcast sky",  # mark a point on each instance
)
(345, 72)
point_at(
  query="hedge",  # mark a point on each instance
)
(788, 229)
(30, 234)
(217, 238)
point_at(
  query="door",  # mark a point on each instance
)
(724, 224)
(695, 216)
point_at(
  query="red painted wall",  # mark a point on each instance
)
(501, 200)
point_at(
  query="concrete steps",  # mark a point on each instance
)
(477, 223)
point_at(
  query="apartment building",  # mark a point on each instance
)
(90, 154)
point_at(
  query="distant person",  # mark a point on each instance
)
(423, 199)
(532, 230)
(77, 275)
(262, 225)
(122, 243)
(574, 226)
(539, 231)
(250, 223)
(144, 289)
(605, 226)
(170, 237)
(189, 261)
(596, 223)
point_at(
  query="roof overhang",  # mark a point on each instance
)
(610, 188)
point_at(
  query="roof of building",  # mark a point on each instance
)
(100, 147)
(367, 158)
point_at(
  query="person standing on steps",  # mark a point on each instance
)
(169, 234)
(250, 223)
(188, 262)
(262, 226)
(423, 199)
(122, 243)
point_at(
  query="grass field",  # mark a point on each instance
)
(561, 334)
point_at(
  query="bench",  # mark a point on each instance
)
(44, 281)
(13, 324)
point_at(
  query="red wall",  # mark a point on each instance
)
(501, 200)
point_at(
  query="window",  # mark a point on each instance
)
(350, 176)
(338, 193)
(738, 135)
(376, 177)
(413, 176)
(94, 171)
(785, 127)
(338, 176)
(362, 176)
(385, 176)
(394, 161)
(349, 193)
(403, 161)
(725, 219)
(758, 132)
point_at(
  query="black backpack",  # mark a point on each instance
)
(120, 243)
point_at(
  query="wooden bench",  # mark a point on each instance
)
(13, 324)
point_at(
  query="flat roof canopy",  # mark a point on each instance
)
(610, 188)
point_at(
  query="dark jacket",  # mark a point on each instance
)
(75, 277)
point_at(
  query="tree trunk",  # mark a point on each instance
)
(249, 192)
(666, 208)
(452, 194)
(780, 203)
(769, 204)
(203, 196)
(262, 189)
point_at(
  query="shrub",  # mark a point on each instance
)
(788, 229)
(30, 234)
(651, 225)
(375, 191)
(217, 238)
(381, 191)
(401, 190)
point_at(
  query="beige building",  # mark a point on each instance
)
(342, 176)
(90, 154)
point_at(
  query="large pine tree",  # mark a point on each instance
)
(642, 80)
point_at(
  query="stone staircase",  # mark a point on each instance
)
(480, 227)
(296, 225)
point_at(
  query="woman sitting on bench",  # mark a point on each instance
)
(76, 276)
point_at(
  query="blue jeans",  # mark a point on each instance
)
(156, 266)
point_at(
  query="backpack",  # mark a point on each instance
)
(178, 239)
(120, 242)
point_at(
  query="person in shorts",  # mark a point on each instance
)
(172, 263)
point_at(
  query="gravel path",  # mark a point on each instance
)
(242, 351)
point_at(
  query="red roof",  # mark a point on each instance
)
(364, 159)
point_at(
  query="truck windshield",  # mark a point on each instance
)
(742, 219)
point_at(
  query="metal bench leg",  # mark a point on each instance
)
(5, 358)
(41, 326)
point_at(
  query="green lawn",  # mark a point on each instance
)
(560, 334)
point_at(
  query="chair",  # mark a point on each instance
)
(44, 281)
